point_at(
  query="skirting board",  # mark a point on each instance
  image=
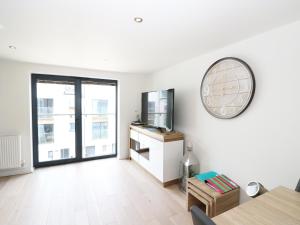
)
(12, 172)
(170, 182)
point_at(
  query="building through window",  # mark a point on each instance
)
(90, 151)
(99, 130)
(100, 106)
(69, 90)
(65, 153)
(72, 127)
(104, 148)
(46, 133)
(45, 105)
(50, 155)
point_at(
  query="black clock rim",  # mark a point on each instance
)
(252, 93)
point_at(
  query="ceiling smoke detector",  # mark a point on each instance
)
(138, 19)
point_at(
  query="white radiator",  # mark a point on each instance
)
(10, 152)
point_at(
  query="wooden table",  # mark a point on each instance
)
(281, 206)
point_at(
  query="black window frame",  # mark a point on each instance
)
(35, 77)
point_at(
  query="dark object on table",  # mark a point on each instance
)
(199, 217)
(137, 123)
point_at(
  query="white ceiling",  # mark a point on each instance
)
(101, 34)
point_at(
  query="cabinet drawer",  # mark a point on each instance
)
(145, 141)
(134, 135)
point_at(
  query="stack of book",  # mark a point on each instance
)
(219, 183)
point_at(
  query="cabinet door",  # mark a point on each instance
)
(134, 155)
(173, 153)
(144, 141)
(156, 158)
(145, 162)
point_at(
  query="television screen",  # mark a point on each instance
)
(158, 109)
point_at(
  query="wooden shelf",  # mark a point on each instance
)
(156, 134)
(211, 202)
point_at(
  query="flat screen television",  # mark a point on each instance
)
(158, 109)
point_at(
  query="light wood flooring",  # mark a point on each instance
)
(100, 192)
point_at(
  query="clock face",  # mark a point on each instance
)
(227, 88)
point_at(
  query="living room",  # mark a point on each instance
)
(82, 51)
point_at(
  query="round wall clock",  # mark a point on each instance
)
(227, 88)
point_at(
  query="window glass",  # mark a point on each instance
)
(72, 127)
(46, 133)
(50, 155)
(100, 106)
(99, 130)
(45, 105)
(90, 151)
(64, 153)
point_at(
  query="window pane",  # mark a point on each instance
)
(64, 153)
(56, 121)
(50, 155)
(90, 151)
(72, 127)
(100, 106)
(98, 120)
(46, 135)
(99, 130)
(45, 106)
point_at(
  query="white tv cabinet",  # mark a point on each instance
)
(158, 153)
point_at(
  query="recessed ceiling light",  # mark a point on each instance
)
(138, 19)
(12, 47)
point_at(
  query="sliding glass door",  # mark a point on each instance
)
(55, 120)
(98, 119)
(74, 119)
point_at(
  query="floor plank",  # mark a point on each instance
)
(100, 192)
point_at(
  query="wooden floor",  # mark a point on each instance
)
(101, 192)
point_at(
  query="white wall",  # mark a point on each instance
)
(264, 142)
(15, 102)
